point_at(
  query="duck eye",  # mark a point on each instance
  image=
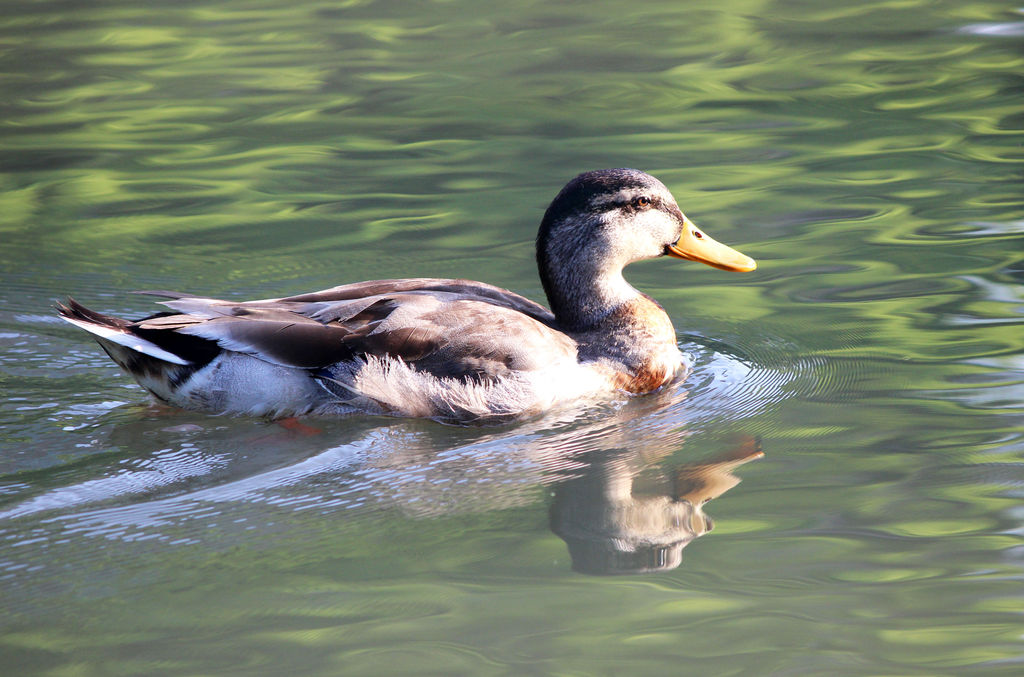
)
(642, 201)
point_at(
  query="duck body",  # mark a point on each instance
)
(449, 349)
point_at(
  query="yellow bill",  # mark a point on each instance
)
(694, 245)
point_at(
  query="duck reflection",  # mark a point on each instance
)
(617, 518)
(620, 503)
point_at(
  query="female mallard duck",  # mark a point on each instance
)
(455, 350)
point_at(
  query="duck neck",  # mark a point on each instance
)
(611, 322)
(580, 266)
(584, 302)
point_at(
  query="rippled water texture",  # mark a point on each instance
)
(867, 154)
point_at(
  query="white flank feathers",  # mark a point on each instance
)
(130, 341)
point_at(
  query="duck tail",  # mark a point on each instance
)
(115, 334)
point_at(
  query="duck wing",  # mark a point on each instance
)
(449, 328)
(469, 289)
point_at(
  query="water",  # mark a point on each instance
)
(867, 155)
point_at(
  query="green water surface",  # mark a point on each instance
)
(868, 154)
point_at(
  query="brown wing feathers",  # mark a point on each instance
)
(285, 332)
(452, 328)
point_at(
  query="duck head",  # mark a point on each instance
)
(602, 221)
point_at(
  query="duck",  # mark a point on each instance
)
(452, 350)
